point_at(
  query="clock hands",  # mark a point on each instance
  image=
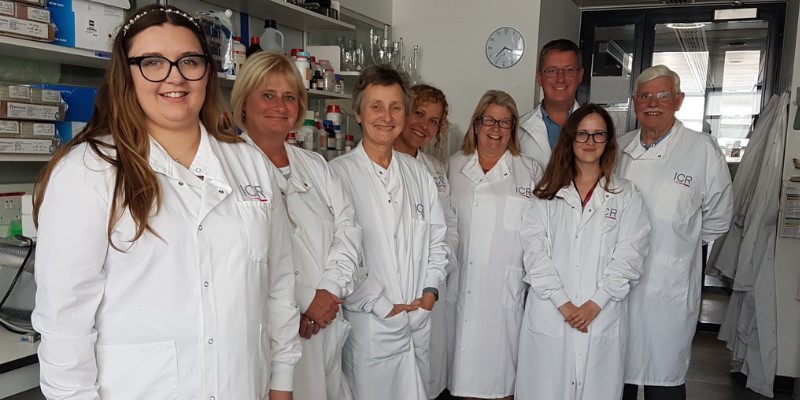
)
(497, 56)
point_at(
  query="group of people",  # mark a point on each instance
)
(549, 259)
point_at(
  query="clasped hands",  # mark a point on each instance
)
(579, 317)
(320, 313)
(426, 302)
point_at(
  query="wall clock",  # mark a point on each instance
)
(504, 47)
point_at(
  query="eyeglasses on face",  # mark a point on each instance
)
(660, 96)
(489, 121)
(597, 137)
(553, 72)
(156, 68)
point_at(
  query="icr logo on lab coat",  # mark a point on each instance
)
(523, 191)
(255, 192)
(683, 179)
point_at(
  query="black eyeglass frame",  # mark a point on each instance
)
(592, 136)
(496, 122)
(137, 61)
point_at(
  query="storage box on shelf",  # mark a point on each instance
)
(87, 24)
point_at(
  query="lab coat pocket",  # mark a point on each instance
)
(255, 218)
(138, 371)
(265, 356)
(389, 336)
(669, 279)
(676, 203)
(514, 290)
(607, 323)
(514, 209)
(420, 237)
(334, 342)
(608, 236)
(543, 318)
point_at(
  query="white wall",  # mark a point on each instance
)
(452, 37)
(560, 20)
(787, 270)
(379, 10)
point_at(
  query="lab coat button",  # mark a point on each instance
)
(395, 203)
(210, 341)
(469, 291)
(212, 398)
(576, 236)
(297, 272)
(180, 183)
(576, 267)
(198, 170)
(463, 349)
(205, 284)
(200, 228)
(221, 191)
(476, 204)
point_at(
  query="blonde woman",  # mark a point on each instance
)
(269, 100)
(491, 186)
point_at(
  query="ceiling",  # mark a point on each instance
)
(661, 3)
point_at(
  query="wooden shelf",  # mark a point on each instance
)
(285, 14)
(31, 49)
(25, 157)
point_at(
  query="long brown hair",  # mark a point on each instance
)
(561, 169)
(117, 113)
(500, 98)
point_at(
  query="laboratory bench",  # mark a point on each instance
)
(19, 364)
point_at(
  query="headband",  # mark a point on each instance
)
(165, 10)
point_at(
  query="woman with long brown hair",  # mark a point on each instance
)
(163, 262)
(585, 238)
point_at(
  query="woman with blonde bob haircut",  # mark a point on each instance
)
(269, 101)
(162, 257)
(491, 186)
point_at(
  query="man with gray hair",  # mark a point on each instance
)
(686, 186)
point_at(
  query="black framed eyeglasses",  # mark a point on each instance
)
(489, 121)
(570, 71)
(597, 137)
(156, 68)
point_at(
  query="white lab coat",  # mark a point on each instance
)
(326, 242)
(171, 315)
(443, 316)
(747, 253)
(489, 208)
(533, 139)
(574, 254)
(686, 187)
(404, 252)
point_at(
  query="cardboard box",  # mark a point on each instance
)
(24, 11)
(30, 94)
(25, 29)
(87, 24)
(27, 146)
(79, 100)
(24, 111)
(27, 129)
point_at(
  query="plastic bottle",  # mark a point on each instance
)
(302, 65)
(349, 142)
(239, 54)
(254, 47)
(339, 86)
(310, 141)
(319, 81)
(334, 114)
(322, 135)
(291, 138)
(337, 130)
(272, 38)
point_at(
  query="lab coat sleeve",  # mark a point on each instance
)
(717, 199)
(340, 268)
(451, 239)
(540, 272)
(70, 278)
(284, 313)
(628, 254)
(437, 248)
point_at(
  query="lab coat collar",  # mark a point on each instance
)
(298, 174)
(205, 162)
(529, 124)
(472, 169)
(570, 194)
(658, 152)
(366, 162)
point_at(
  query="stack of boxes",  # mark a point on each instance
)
(25, 20)
(85, 24)
(27, 117)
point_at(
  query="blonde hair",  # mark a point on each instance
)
(264, 67)
(500, 98)
(117, 113)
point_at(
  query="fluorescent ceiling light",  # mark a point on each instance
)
(692, 25)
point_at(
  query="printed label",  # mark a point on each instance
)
(29, 146)
(44, 130)
(19, 92)
(9, 127)
(51, 96)
(7, 8)
(32, 111)
(37, 14)
(22, 27)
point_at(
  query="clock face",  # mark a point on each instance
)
(504, 47)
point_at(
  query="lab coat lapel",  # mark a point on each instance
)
(474, 172)
(215, 187)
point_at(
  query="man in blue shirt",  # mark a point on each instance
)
(559, 73)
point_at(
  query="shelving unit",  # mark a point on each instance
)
(33, 50)
(312, 94)
(25, 157)
(349, 73)
(286, 14)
